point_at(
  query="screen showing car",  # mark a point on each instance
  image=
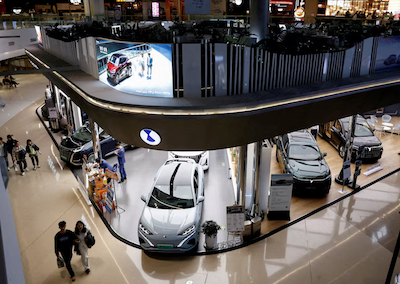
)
(136, 68)
(388, 53)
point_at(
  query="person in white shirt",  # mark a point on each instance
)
(19, 156)
(48, 92)
(81, 232)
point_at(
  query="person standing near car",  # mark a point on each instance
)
(33, 152)
(81, 232)
(63, 242)
(19, 156)
(121, 161)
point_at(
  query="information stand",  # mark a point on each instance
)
(235, 221)
(114, 177)
(280, 197)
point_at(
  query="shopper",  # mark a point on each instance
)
(19, 156)
(149, 66)
(10, 145)
(47, 92)
(63, 242)
(33, 152)
(121, 161)
(3, 151)
(104, 164)
(82, 249)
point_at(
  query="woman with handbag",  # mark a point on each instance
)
(33, 152)
(19, 156)
(81, 232)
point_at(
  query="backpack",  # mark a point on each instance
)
(22, 154)
(89, 240)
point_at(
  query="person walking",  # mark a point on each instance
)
(33, 152)
(3, 151)
(149, 66)
(63, 242)
(9, 146)
(47, 93)
(121, 161)
(19, 156)
(81, 232)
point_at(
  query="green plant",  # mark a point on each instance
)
(210, 228)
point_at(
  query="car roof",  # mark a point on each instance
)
(118, 54)
(183, 175)
(301, 136)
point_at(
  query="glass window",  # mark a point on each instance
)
(361, 130)
(83, 134)
(114, 59)
(181, 197)
(304, 152)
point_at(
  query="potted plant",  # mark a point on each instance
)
(210, 229)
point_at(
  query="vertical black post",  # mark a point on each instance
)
(393, 262)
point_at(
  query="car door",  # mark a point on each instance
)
(107, 143)
(337, 134)
(198, 191)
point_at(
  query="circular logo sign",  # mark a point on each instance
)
(150, 137)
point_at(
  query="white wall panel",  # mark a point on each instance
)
(191, 66)
(348, 59)
(246, 70)
(13, 42)
(366, 56)
(221, 69)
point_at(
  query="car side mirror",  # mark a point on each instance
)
(143, 197)
(201, 199)
(324, 154)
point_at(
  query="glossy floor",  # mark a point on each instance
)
(351, 242)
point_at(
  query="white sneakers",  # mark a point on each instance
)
(22, 174)
(26, 169)
(38, 166)
(34, 168)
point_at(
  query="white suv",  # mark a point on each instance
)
(200, 157)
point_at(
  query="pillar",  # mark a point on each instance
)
(77, 114)
(259, 18)
(95, 139)
(311, 9)
(241, 181)
(94, 9)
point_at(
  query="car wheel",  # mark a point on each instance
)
(341, 150)
(91, 158)
(117, 77)
(130, 72)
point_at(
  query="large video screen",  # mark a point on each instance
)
(388, 53)
(136, 68)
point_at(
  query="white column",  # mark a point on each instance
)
(77, 115)
(94, 8)
(259, 18)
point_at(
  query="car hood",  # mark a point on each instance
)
(311, 169)
(366, 141)
(167, 222)
(111, 66)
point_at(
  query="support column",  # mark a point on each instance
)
(94, 9)
(77, 114)
(256, 178)
(241, 181)
(95, 139)
(259, 18)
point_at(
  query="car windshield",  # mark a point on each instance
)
(83, 134)
(114, 59)
(304, 152)
(181, 197)
(362, 129)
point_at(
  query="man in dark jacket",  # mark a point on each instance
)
(121, 161)
(10, 145)
(63, 242)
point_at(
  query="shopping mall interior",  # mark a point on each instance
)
(213, 148)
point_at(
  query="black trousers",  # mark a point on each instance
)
(20, 165)
(33, 158)
(67, 256)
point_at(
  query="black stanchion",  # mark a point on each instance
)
(393, 262)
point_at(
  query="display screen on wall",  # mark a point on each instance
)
(136, 68)
(388, 53)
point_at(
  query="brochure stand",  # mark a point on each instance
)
(280, 197)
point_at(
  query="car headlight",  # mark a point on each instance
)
(144, 229)
(355, 147)
(111, 71)
(328, 177)
(188, 230)
(78, 149)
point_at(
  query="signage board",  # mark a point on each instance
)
(150, 137)
(197, 7)
(109, 199)
(280, 192)
(52, 112)
(346, 170)
(235, 218)
(112, 175)
(387, 55)
(143, 69)
(155, 9)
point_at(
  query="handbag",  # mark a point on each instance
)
(22, 154)
(89, 240)
(60, 262)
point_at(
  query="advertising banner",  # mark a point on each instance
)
(197, 7)
(388, 53)
(109, 199)
(136, 68)
(281, 192)
(235, 218)
(218, 7)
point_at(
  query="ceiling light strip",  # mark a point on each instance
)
(136, 110)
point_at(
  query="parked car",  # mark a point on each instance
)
(390, 60)
(118, 68)
(200, 157)
(298, 154)
(336, 133)
(170, 219)
(73, 148)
